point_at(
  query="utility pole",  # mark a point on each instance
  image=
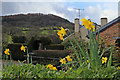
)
(78, 12)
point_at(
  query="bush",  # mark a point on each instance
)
(19, 39)
(55, 47)
(51, 53)
(40, 71)
(33, 43)
(16, 53)
(45, 40)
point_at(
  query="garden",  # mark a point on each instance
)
(87, 60)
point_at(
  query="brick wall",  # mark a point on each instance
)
(109, 34)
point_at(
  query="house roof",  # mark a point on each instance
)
(103, 27)
(108, 24)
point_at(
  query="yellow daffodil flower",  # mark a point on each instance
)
(85, 22)
(104, 60)
(61, 37)
(51, 67)
(48, 65)
(93, 28)
(63, 61)
(22, 48)
(61, 33)
(70, 68)
(88, 25)
(7, 52)
(54, 68)
(86, 61)
(68, 58)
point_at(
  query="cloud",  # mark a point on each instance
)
(94, 13)
(99, 11)
(9, 8)
(60, 0)
(56, 8)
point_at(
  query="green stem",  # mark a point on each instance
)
(27, 56)
(31, 59)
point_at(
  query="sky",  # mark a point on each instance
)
(93, 10)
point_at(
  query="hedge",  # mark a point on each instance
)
(51, 53)
(16, 53)
(54, 47)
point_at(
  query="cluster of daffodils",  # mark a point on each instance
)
(61, 33)
(7, 52)
(88, 24)
(63, 61)
(51, 67)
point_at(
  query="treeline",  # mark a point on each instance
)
(35, 20)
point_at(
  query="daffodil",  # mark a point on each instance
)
(86, 61)
(70, 68)
(7, 52)
(51, 67)
(48, 65)
(68, 58)
(61, 33)
(63, 61)
(22, 48)
(61, 37)
(54, 68)
(93, 28)
(85, 22)
(104, 60)
(88, 25)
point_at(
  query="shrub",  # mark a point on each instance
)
(45, 40)
(19, 39)
(40, 71)
(55, 47)
(51, 53)
(16, 53)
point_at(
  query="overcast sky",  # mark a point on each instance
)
(65, 9)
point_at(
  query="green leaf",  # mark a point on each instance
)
(19, 62)
(104, 51)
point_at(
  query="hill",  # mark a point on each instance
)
(35, 20)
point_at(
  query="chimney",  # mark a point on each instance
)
(77, 25)
(103, 21)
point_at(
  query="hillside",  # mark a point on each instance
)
(35, 20)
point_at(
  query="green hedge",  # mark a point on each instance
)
(54, 47)
(16, 53)
(51, 53)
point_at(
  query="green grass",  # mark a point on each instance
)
(24, 32)
(44, 32)
(25, 28)
(9, 38)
